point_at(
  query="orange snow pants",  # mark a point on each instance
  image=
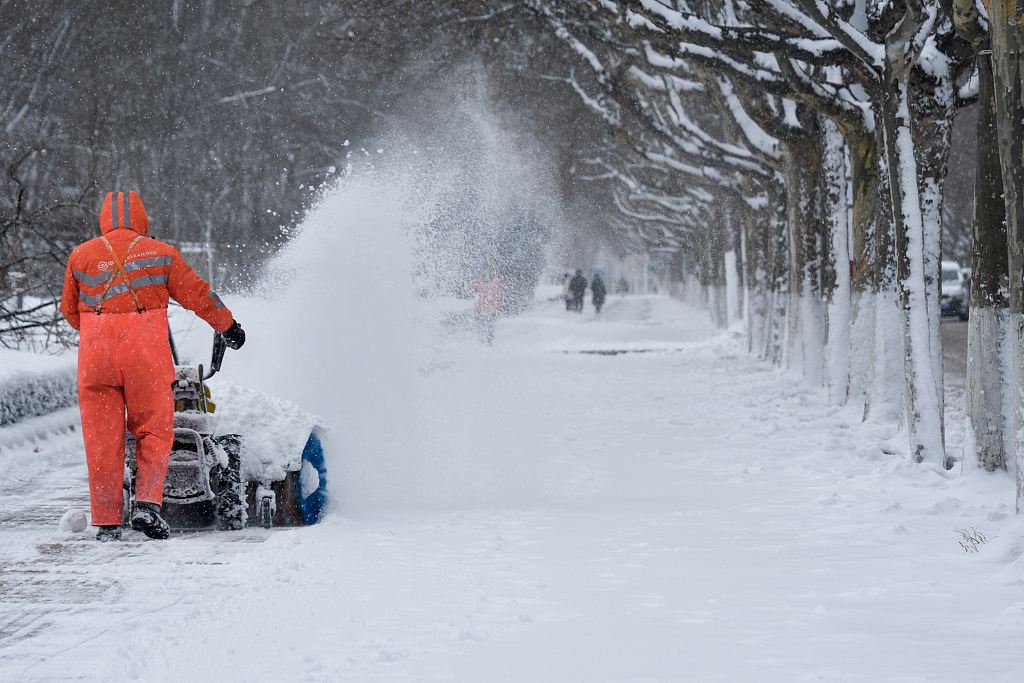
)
(125, 368)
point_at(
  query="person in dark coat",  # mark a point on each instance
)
(578, 287)
(598, 291)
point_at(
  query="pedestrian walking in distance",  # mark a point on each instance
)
(578, 288)
(598, 292)
(116, 290)
(490, 291)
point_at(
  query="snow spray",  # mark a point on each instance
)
(357, 316)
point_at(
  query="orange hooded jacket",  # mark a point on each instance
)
(93, 282)
(124, 357)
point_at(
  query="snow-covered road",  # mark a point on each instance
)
(678, 513)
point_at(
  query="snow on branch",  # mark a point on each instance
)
(665, 27)
(607, 113)
(758, 138)
(247, 95)
(712, 56)
(821, 18)
(731, 154)
(686, 139)
(837, 102)
(696, 172)
(661, 83)
(624, 207)
(582, 50)
(641, 201)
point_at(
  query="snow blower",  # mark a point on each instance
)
(258, 460)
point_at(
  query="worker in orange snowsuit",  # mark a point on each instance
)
(116, 289)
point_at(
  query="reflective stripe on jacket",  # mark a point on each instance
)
(155, 270)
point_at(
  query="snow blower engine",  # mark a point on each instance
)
(207, 484)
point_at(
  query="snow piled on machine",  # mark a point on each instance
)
(275, 430)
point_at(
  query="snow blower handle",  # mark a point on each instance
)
(219, 346)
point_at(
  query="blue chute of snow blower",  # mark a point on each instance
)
(312, 503)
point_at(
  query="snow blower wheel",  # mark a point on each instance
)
(266, 513)
(229, 496)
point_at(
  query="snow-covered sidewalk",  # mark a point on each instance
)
(677, 513)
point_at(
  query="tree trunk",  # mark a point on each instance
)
(805, 323)
(877, 347)
(1008, 78)
(713, 271)
(778, 284)
(746, 286)
(864, 182)
(731, 272)
(757, 223)
(922, 406)
(837, 293)
(988, 430)
(931, 109)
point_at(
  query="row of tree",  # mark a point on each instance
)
(809, 141)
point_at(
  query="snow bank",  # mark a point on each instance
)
(39, 419)
(32, 385)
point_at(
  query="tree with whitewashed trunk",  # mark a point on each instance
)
(989, 420)
(878, 59)
(1005, 32)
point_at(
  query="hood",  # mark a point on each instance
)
(123, 210)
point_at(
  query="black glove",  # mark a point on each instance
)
(234, 336)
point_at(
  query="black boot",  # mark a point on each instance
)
(147, 519)
(108, 532)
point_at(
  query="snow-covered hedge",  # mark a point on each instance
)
(33, 385)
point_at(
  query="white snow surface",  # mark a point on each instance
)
(530, 512)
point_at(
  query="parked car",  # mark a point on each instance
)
(956, 291)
